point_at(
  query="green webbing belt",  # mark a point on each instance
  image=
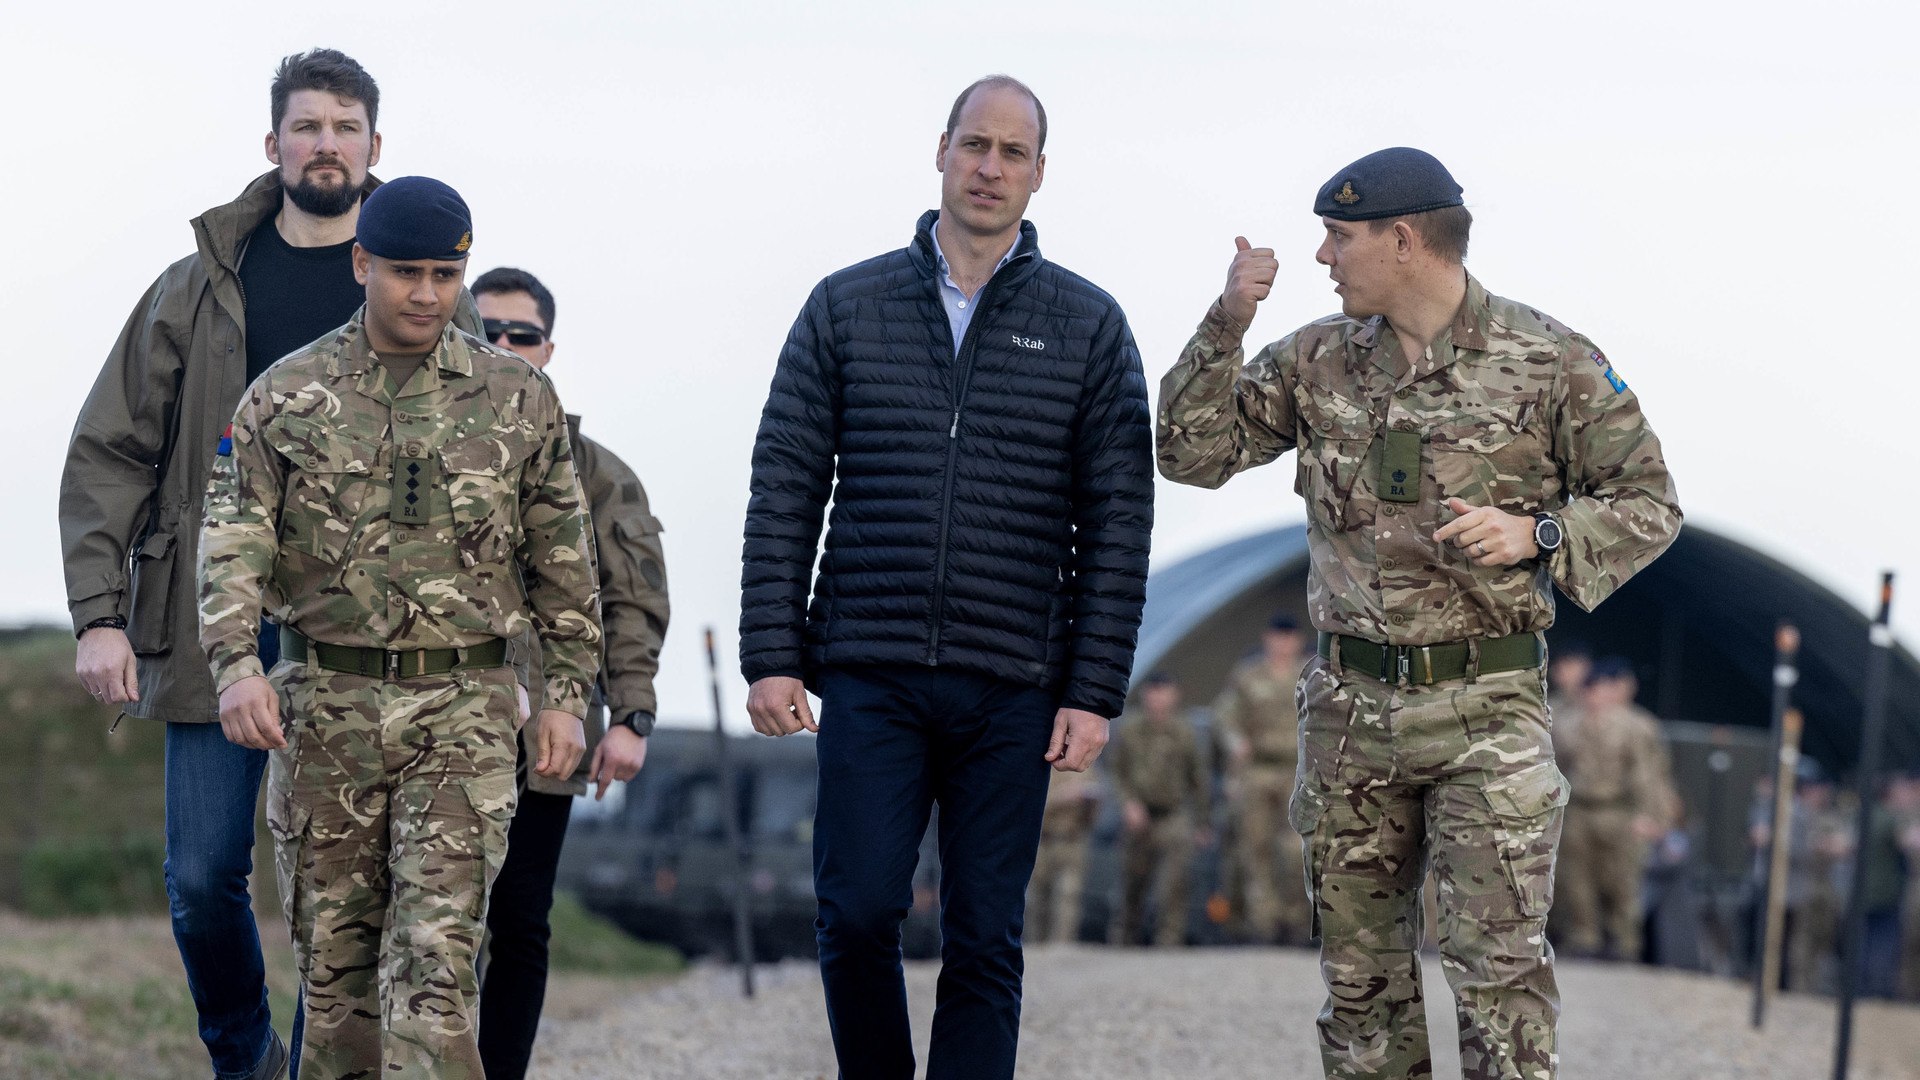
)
(382, 664)
(1424, 665)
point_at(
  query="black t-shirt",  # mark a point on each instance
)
(293, 295)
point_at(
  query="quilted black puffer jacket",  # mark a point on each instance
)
(992, 509)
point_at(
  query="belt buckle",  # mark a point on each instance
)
(1403, 661)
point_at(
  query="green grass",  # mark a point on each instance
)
(586, 944)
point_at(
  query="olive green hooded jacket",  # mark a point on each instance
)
(143, 448)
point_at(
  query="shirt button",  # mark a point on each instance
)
(1404, 395)
(963, 303)
(395, 601)
(1398, 619)
(1386, 564)
(1392, 510)
(1326, 425)
(413, 449)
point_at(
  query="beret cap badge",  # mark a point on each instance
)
(466, 241)
(1346, 196)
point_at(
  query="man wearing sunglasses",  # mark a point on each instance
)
(518, 315)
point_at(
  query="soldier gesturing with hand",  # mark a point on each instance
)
(1449, 441)
(1249, 280)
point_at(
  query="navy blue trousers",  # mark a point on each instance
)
(894, 741)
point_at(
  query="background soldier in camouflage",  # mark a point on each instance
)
(1433, 420)
(1622, 801)
(519, 312)
(1161, 776)
(1821, 840)
(1060, 869)
(385, 493)
(1260, 720)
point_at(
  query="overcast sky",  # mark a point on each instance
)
(1721, 197)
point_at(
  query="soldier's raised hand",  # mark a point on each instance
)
(1249, 280)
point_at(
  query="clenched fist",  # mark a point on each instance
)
(1249, 280)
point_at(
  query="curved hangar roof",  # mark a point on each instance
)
(1698, 625)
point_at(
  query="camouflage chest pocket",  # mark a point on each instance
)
(1490, 453)
(1336, 435)
(330, 479)
(482, 477)
(1527, 811)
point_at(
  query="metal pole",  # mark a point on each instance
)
(1872, 732)
(1771, 914)
(730, 807)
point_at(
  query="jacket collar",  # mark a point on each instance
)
(1467, 333)
(223, 231)
(354, 357)
(1019, 267)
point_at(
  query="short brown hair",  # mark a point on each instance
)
(1444, 231)
(325, 69)
(1010, 83)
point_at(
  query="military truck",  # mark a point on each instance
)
(654, 856)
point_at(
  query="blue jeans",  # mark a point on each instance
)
(212, 789)
(893, 742)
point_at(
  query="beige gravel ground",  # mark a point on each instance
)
(1200, 1014)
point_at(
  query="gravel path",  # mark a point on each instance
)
(1230, 1013)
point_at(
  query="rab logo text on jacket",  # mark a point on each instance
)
(1029, 343)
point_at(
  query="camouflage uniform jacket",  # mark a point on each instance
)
(1615, 758)
(1513, 410)
(298, 513)
(1257, 708)
(1071, 798)
(1159, 764)
(143, 446)
(633, 603)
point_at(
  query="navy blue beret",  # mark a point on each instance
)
(1282, 622)
(415, 217)
(1159, 678)
(1388, 183)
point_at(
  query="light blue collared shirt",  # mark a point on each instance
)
(959, 305)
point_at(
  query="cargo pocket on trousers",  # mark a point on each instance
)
(288, 821)
(492, 798)
(1528, 809)
(1305, 812)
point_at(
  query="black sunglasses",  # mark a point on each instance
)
(518, 333)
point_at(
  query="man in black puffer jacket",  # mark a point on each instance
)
(974, 617)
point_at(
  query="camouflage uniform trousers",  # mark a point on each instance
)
(1598, 881)
(1270, 855)
(1054, 894)
(1156, 865)
(1460, 774)
(389, 810)
(1813, 938)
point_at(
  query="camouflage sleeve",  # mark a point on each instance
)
(239, 542)
(1622, 511)
(1229, 714)
(556, 560)
(1216, 419)
(1651, 775)
(633, 582)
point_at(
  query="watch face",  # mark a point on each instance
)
(1546, 534)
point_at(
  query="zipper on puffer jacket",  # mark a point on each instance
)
(962, 377)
